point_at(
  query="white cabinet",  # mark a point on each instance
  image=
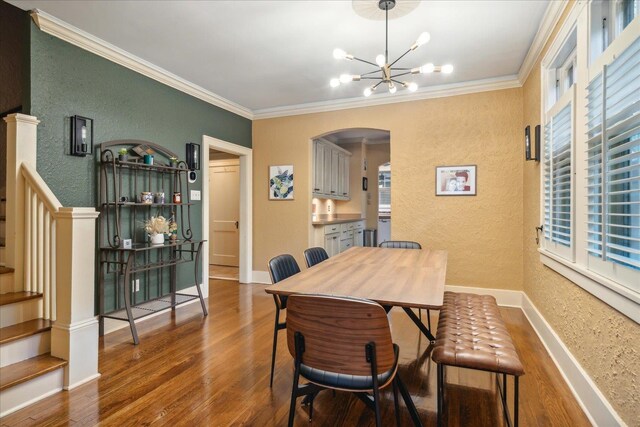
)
(331, 171)
(336, 238)
(332, 244)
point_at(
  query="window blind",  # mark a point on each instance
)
(558, 177)
(613, 166)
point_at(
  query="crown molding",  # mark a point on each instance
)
(67, 32)
(441, 91)
(549, 21)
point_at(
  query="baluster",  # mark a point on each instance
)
(27, 239)
(54, 281)
(40, 252)
(34, 243)
(46, 265)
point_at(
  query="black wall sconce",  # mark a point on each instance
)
(530, 154)
(193, 156)
(81, 136)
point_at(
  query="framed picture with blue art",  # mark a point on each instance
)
(281, 182)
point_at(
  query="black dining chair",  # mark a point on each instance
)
(313, 256)
(280, 268)
(406, 244)
(343, 343)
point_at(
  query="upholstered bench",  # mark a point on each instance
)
(471, 334)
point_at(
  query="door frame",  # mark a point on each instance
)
(246, 204)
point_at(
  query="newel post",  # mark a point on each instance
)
(21, 148)
(74, 336)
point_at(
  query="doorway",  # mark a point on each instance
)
(243, 158)
(224, 215)
(384, 202)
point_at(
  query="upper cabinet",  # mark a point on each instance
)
(330, 171)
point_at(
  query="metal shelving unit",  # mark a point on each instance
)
(155, 265)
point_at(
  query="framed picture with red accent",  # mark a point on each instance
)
(456, 180)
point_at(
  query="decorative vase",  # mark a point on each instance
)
(157, 239)
(123, 157)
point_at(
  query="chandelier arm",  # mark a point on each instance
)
(401, 74)
(377, 84)
(370, 72)
(400, 69)
(370, 78)
(366, 62)
(399, 58)
(396, 81)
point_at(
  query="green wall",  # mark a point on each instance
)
(66, 80)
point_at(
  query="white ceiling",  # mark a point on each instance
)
(265, 54)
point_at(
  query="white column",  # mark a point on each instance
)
(74, 336)
(21, 147)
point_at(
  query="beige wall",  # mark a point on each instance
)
(483, 129)
(377, 154)
(603, 341)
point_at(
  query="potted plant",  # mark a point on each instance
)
(173, 162)
(123, 155)
(173, 229)
(156, 227)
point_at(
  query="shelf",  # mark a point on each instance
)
(145, 204)
(140, 247)
(152, 306)
(140, 165)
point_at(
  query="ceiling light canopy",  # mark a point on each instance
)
(387, 72)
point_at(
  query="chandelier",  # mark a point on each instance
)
(385, 72)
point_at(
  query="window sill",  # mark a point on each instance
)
(620, 298)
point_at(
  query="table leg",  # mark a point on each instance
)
(419, 324)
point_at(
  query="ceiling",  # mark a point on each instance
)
(266, 54)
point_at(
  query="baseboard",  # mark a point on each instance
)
(593, 403)
(112, 325)
(261, 277)
(84, 381)
(21, 395)
(504, 297)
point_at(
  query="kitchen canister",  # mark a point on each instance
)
(146, 197)
(159, 198)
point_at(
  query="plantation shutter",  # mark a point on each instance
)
(613, 177)
(558, 177)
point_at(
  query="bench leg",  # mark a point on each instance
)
(515, 400)
(440, 392)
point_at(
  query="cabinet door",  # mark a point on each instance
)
(346, 244)
(335, 173)
(332, 244)
(358, 237)
(327, 172)
(318, 167)
(345, 176)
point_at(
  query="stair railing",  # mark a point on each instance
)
(41, 208)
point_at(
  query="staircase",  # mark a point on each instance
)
(28, 372)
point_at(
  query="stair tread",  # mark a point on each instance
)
(6, 270)
(13, 297)
(28, 369)
(24, 329)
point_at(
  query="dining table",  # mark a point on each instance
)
(405, 278)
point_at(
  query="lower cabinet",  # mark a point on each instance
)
(336, 238)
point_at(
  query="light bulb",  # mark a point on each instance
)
(412, 87)
(423, 38)
(380, 60)
(368, 91)
(346, 78)
(427, 68)
(334, 82)
(392, 88)
(447, 69)
(339, 53)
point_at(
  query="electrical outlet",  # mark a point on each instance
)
(195, 194)
(328, 207)
(136, 285)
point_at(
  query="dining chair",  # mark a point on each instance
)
(313, 256)
(280, 268)
(343, 343)
(406, 244)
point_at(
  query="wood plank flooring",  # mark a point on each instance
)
(190, 370)
(223, 272)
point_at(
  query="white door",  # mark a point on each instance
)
(224, 212)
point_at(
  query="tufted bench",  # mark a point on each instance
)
(471, 334)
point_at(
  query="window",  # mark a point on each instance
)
(608, 19)
(613, 169)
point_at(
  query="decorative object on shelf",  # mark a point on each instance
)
(173, 162)
(146, 197)
(159, 198)
(530, 154)
(148, 159)
(193, 156)
(156, 227)
(456, 180)
(281, 182)
(384, 66)
(124, 199)
(125, 243)
(177, 197)
(173, 228)
(123, 154)
(81, 136)
(143, 149)
(365, 183)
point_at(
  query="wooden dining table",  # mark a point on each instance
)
(406, 278)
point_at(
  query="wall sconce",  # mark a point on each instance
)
(193, 156)
(81, 136)
(528, 154)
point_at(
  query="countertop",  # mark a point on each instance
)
(326, 219)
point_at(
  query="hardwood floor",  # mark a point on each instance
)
(190, 370)
(223, 272)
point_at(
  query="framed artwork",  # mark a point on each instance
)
(281, 182)
(456, 180)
